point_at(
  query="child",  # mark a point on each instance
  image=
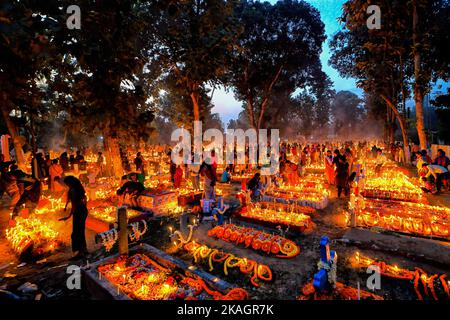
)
(226, 176)
(219, 210)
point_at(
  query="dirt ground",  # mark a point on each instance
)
(289, 274)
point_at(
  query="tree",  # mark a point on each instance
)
(376, 58)
(192, 42)
(408, 49)
(430, 25)
(348, 113)
(25, 52)
(103, 75)
(442, 105)
(279, 51)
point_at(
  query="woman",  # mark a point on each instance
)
(77, 198)
(207, 171)
(329, 168)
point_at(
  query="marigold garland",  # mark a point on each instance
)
(246, 266)
(421, 280)
(258, 240)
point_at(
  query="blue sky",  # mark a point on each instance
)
(330, 10)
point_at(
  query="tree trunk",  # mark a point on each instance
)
(13, 132)
(418, 92)
(112, 156)
(196, 107)
(403, 126)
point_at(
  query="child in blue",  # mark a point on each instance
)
(219, 210)
(226, 176)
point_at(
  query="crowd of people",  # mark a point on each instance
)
(338, 159)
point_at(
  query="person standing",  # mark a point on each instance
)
(64, 161)
(194, 174)
(207, 171)
(101, 163)
(329, 168)
(178, 177)
(139, 162)
(55, 172)
(342, 173)
(77, 198)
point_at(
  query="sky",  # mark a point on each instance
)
(330, 10)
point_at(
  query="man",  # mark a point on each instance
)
(442, 160)
(439, 173)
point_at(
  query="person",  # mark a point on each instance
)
(64, 161)
(425, 156)
(100, 163)
(441, 159)
(214, 160)
(342, 174)
(219, 210)
(30, 190)
(439, 173)
(401, 155)
(291, 171)
(139, 162)
(178, 177)
(79, 160)
(79, 157)
(47, 164)
(380, 161)
(38, 167)
(226, 176)
(194, 174)
(253, 185)
(329, 168)
(132, 187)
(72, 162)
(207, 171)
(350, 158)
(76, 196)
(55, 172)
(172, 167)
(8, 184)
